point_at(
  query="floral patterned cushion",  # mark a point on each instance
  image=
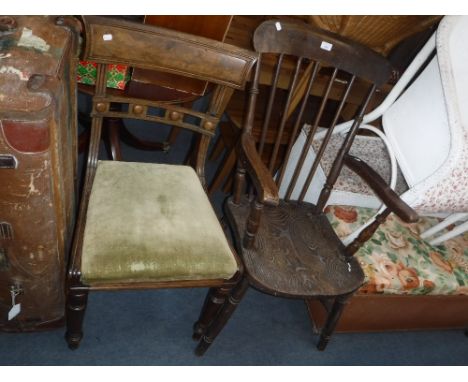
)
(397, 261)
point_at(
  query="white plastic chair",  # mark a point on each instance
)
(425, 121)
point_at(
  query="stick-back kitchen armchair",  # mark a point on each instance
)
(288, 247)
(147, 225)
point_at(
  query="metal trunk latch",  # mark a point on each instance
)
(8, 162)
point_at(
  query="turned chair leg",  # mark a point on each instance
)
(213, 302)
(223, 316)
(76, 307)
(332, 320)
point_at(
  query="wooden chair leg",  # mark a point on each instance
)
(228, 185)
(223, 316)
(223, 171)
(83, 141)
(332, 320)
(173, 135)
(76, 307)
(218, 148)
(113, 128)
(315, 328)
(214, 300)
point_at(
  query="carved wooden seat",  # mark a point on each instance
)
(297, 253)
(288, 246)
(148, 225)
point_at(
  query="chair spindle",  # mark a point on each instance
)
(271, 100)
(253, 223)
(325, 141)
(338, 163)
(310, 137)
(292, 137)
(284, 117)
(366, 233)
(239, 182)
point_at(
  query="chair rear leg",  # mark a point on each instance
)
(213, 302)
(76, 307)
(224, 170)
(223, 316)
(218, 148)
(332, 320)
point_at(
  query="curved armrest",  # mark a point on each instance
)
(382, 190)
(261, 177)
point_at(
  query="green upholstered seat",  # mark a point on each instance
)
(152, 222)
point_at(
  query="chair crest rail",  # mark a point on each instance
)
(328, 48)
(149, 47)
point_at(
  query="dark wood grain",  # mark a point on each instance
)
(342, 53)
(160, 49)
(296, 252)
(213, 27)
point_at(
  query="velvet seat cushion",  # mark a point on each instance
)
(152, 222)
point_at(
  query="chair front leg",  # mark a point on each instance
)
(223, 316)
(76, 307)
(213, 302)
(332, 320)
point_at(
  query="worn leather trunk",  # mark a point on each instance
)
(38, 58)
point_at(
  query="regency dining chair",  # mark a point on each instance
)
(146, 225)
(153, 86)
(288, 247)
